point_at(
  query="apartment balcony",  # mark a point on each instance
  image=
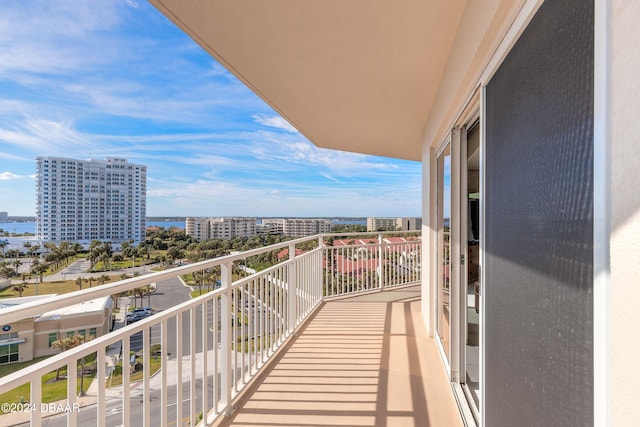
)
(330, 335)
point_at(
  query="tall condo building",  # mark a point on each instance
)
(85, 200)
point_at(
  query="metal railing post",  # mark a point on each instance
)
(225, 338)
(380, 262)
(319, 273)
(291, 291)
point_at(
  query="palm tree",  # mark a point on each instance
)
(27, 246)
(3, 244)
(16, 264)
(65, 344)
(147, 290)
(90, 280)
(20, 287)
(39, 269)
(68, 343)
(105, 257)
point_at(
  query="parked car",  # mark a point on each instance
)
(137, 316)
(138, 310)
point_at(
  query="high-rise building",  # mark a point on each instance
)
(4, 217)
(85, 200)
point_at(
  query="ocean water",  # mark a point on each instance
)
(30, 227)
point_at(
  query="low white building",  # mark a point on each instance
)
(30, 338)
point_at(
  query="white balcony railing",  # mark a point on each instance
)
(221, 339)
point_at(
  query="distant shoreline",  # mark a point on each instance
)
(24, 226)
(15, 219)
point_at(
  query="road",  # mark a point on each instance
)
(168, 294)
(87, 414)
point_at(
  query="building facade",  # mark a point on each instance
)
(220, 228)
(296, 227)
(4, 217)
(394, 224)
(85, 200)
(198, 228)
(31, 338)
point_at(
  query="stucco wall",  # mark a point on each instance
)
(624, 286)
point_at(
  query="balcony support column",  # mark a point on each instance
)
(291, 290)
(225, 338)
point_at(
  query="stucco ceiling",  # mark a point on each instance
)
(354, 75)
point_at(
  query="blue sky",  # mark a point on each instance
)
(90, 79)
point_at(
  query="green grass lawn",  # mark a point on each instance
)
(57, 287)
(52, 390)
(116, 379)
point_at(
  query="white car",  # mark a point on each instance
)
(140, 310)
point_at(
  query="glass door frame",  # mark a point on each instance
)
(471, 115)
(439, 258)
(455, 363)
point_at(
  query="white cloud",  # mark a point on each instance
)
(302, 152)
(8, 176)
(45, 137)
(274, 122)
(329, 177)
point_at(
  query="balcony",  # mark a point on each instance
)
(330, 335)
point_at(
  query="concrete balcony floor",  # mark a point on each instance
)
(359, 361)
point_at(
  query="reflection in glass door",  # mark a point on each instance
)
(470, 281)
(443, 297)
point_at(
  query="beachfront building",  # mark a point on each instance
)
(85, 200)
(220, 228)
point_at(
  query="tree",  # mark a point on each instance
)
(174, 253)
(39, 269)
(3, 245)
(65, 344)
(20, 287)
(105, 257)
(146, 290)
(68, 343)
(16, 264)
(90, 280)
(79, 281)
(27, 246)
(5, 271)
(12, 253)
